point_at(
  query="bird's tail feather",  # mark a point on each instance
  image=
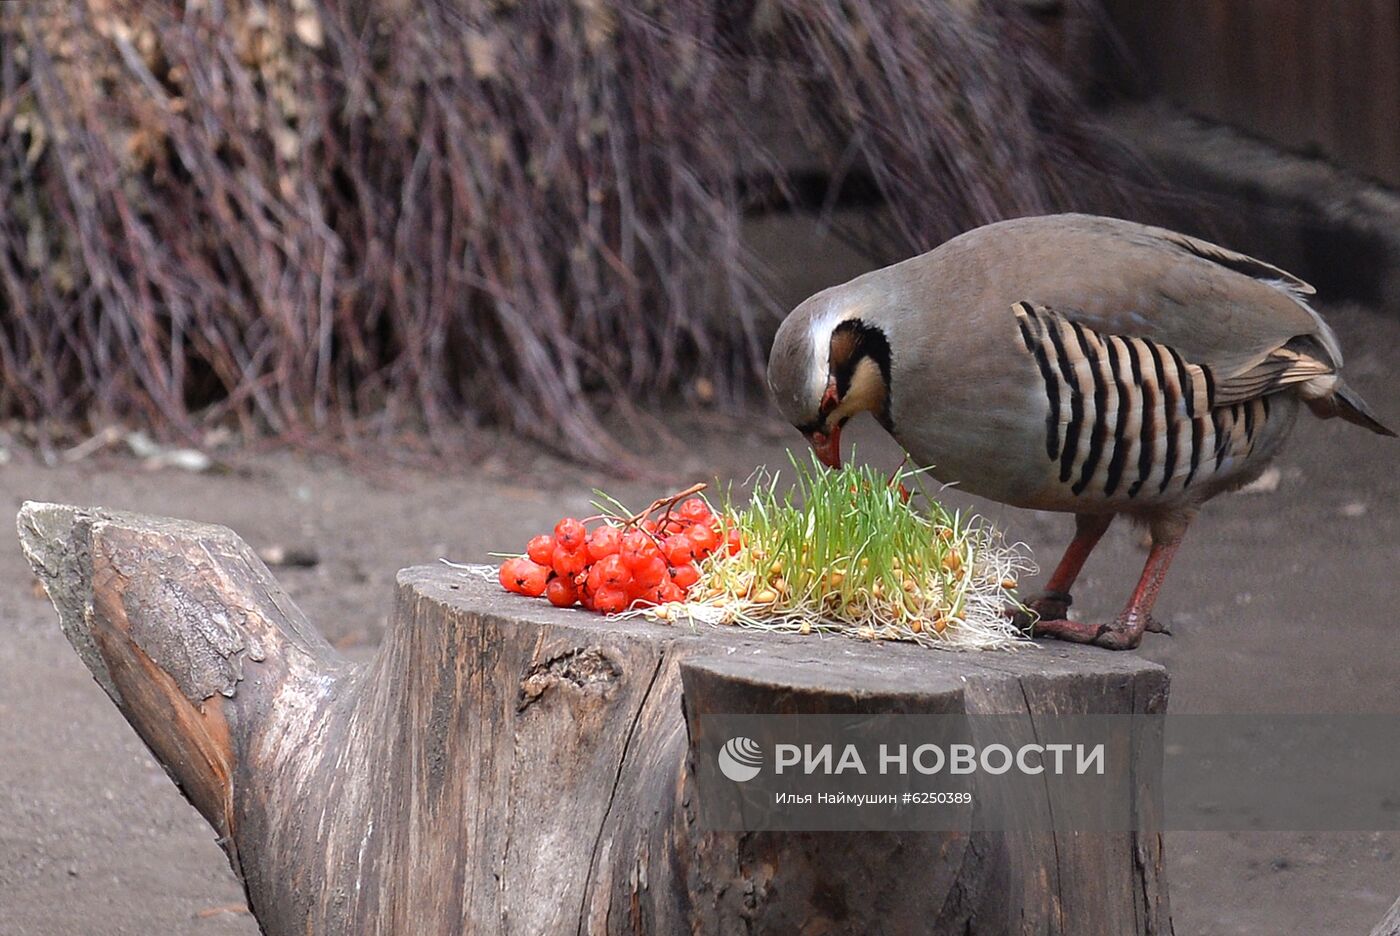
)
(1343, 402)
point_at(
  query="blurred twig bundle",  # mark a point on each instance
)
(326, 219)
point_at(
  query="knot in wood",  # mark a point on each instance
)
(587, 669)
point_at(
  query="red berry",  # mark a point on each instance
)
(610, 600)
(673, 526)
(507, 576)
(649, 525)
(685, 575)
(569, 562)
(650, 572)
(561, 592)
(585, 590)
(677, 549)
(534, 578)
(704, 538)
(734, 541)
(541, 550)
(637, 547)
(594, 580)
(670, 591)
(604, 542)
(570, 534)
(613, 572)
(524, 577)
(651, 595)
(695, 510)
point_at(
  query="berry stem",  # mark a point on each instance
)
(667, 502)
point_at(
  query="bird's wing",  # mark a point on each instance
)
(1295, 362)
(1247, 321)
(1232, 260)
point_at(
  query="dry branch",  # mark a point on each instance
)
(321, 219)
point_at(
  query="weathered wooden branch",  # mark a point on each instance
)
(505, 767)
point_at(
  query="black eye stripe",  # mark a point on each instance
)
(869, 342)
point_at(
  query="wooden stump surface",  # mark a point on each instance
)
(506, 767)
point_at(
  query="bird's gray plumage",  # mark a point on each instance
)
(1172, 367)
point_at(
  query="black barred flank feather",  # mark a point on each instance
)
(1183, 435)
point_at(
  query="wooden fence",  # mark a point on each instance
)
(1312, 75)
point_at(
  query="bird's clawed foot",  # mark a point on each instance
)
(1047, 606)
(1126, 630)
(1124, 633)
(1051, 605)
(1065, 629)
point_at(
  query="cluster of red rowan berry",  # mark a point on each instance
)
(640, 561)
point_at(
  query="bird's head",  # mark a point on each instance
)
(828, 363)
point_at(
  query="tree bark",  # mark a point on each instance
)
(506, 767)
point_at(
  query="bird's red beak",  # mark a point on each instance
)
(827, 445)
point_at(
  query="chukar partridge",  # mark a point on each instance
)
(1071, 363)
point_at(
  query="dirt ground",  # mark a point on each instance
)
(1281, 602)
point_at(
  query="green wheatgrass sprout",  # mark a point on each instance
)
(842, 551)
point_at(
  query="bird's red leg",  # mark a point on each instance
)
(1053, 603)
(1126, 630)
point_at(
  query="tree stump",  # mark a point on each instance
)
(506, 767)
